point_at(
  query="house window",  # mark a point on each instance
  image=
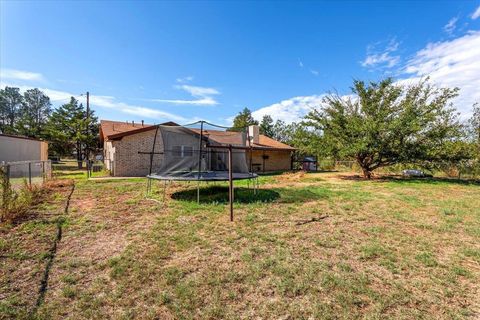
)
(187, 151)
(182, 151)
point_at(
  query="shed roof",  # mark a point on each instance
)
(19, 137)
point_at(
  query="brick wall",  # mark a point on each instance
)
(277, 160)
(128, 162)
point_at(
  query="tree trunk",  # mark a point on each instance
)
(367, 174)
(79, 155)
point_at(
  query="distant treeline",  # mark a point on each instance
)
(67, 128)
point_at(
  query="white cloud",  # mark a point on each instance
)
(382, 58)
(290, 110)
(300, 63)
(20, 75)
(203, 96)
(451, 25)
(314, 72)
(185, 79)
(109, 102)
(199, 91)
(453, 63)
(476, 13)
(197, 102)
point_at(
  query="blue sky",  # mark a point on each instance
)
(185, 61)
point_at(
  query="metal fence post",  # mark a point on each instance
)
(30, 174)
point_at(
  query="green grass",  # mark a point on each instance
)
(384, 249)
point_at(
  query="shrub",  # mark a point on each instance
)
(16, 204)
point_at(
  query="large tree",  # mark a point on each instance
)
(34, 113)
(475, 123)
(266, 126)
(242, 120)
(10, 104)
(68, 133)
(387, 123)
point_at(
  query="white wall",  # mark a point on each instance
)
(20, 149)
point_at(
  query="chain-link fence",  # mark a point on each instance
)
(31, 173)
(74, 169)
(462, 170)
(97, 169)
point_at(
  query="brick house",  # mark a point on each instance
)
(126, 146)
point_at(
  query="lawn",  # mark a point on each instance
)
(307, 246)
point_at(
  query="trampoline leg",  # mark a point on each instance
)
(149, 185)
(198, 192)
(164, 190)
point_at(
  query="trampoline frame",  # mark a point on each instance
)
(197, 175)
(166, 180)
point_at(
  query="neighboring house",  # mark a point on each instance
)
(126, 148)
(18, 148)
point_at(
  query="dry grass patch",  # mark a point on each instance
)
(398, 249)
(25, 246)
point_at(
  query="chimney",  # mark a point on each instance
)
(254, 134)
(142, 123)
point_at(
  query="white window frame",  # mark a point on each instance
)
(185, 151)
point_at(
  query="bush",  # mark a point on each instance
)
(16, 204)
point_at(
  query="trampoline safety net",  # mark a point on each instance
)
(188, 153)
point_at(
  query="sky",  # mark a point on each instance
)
(189, 61)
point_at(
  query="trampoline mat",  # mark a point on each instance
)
(202, 176)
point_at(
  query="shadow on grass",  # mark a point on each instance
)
(438, 180)
(406, 180)
(219, 194)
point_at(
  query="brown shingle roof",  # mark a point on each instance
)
(231, 137)
(268, 142)
(112, 130)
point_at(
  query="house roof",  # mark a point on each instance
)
(115, 130)
(109, 128)
(229, 137)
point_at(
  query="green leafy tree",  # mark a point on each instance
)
(475, 123)
(266, 126)
(387, 123)
(34, 113)
(68, 133)
(10, 104)
(242, 120)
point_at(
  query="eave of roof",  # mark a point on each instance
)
(120, 135)
(20, 137)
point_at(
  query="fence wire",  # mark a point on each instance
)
(31, 173)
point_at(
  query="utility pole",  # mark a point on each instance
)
(87, 151)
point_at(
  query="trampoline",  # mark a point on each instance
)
(201, 152)
(203, 176)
